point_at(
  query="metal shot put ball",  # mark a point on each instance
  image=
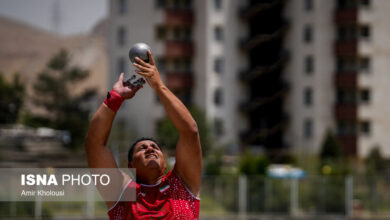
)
(139, 50)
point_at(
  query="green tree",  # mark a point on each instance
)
(52, 92)
(331, 148)
(375, 163)
(251, 164)
(11, 99)
(333, 158)
(213, 162)
(168, 135)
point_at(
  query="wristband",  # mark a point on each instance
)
(113, 100)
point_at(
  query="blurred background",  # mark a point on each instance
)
(289, 96)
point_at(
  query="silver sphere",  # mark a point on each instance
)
(139, 50)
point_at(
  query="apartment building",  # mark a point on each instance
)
(269, 74)
(337, 73)
(195, 45)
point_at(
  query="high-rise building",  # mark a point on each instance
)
(337, 73)
(195, 46)
(270, 74)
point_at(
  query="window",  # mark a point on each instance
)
(218, 65)
(122, 36)
(308, 128)
(218, 33)
(161, 3)
(365, 95)
(177, 64)
(309, 64)
(346, 65)
(346, 127)
(122, 6)
(161, 64)
(308, 96)
(187, 65)
(187, 3)
(364, 64)
(365, 3)
(187, 34)
(365, 31)
(176, 4)
(308, 4)
(345, 96)
(308, 34)
(346, 4)
(218, 97)
(161, 33)
(121, 65)
(218, 127)
(345, 32)
(365, 127)
(218, 4)
(176, 33)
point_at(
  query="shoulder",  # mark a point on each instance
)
(173, 178)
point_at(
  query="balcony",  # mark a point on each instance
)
(347, 111)
(254, 41)
(261, 134)
(346, 16)
(179, 80)
(259, 71)
(179, 49)
(349, 143)
(346, 48)
(256, 103)
(347, 80)
(252, 10)
(179, 17)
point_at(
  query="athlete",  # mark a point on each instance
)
(158, 196)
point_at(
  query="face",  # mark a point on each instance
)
(147, 155)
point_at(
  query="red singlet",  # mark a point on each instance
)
(169, 199)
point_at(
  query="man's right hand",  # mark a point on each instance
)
(126, 92)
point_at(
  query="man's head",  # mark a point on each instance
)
(146, 156)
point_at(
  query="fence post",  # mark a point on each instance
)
(293, 196)
(349, 196)
(90, 209)
(38, 206)
(242, 196)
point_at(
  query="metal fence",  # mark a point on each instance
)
(251, 197)
(350, 197)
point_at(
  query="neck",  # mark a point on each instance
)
(150, 180)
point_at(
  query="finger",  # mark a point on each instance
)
(141, 62)
(143, 68)
(142, 73)
(121, 77)
(137, 88)
(151, 60)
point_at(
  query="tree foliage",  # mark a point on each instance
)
(52, 92)
(168, 135)
(251, 164)
(331, 148)
(11, 99)
(333, 156)
(375, 163)
(213, 162)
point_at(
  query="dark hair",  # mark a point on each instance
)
(131, 150)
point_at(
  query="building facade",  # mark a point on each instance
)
(271, 74)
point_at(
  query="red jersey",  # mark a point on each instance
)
(169, 199)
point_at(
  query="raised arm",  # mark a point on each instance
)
(188, 150)
(98, 155)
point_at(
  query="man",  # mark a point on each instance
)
(158, 196)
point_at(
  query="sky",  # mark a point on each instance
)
(64, 17)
